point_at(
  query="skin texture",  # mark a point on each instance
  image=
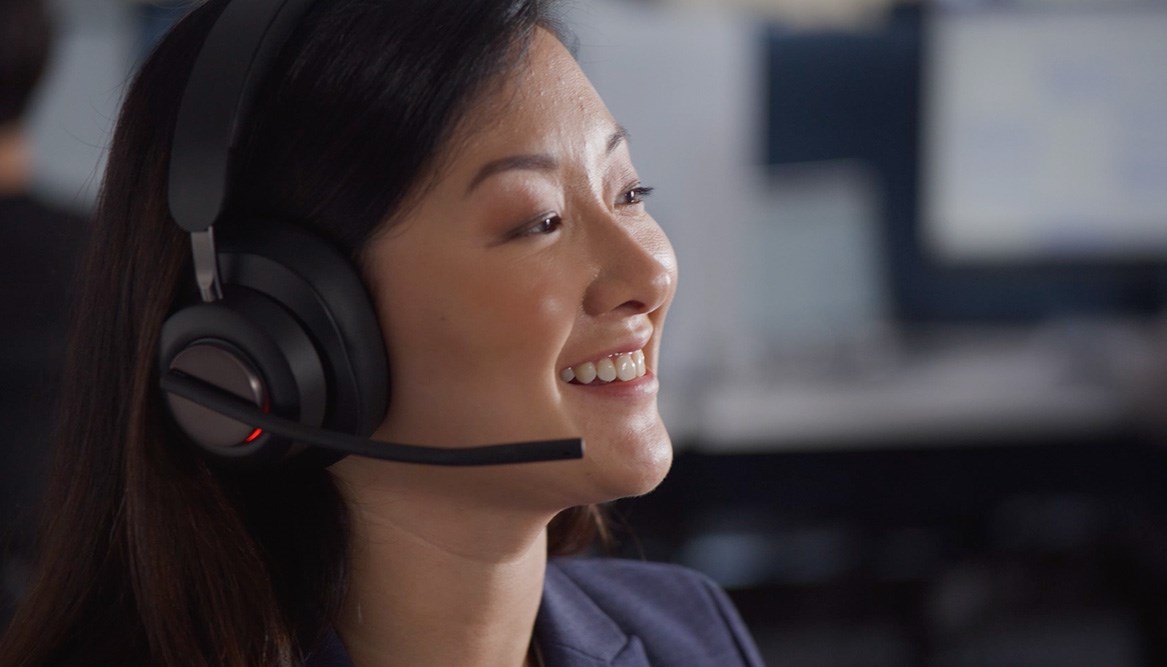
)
(502, 275)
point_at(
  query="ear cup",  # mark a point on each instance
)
(322, 290)
(251, 337)
(297, 321)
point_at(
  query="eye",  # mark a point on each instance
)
(634, 195)
(546, 225)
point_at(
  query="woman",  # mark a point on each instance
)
(457, 155)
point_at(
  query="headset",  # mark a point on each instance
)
(282, 360)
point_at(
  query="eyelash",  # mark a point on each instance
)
(545, 226)
(635, 196)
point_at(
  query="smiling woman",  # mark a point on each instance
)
(462, 166)
(531, 252)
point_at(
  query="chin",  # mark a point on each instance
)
(628, 465)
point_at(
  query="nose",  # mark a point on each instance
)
(637, 268)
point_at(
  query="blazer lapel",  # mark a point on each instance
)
(573, 631)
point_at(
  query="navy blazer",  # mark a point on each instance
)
(623, 613)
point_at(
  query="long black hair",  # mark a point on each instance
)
(149, 555)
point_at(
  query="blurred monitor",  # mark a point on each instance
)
(1020, 150)
(1044, 133)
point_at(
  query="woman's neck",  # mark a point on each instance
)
(434, 583)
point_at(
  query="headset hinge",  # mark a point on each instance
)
(206, 264)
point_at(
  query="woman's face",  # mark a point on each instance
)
(531, 254)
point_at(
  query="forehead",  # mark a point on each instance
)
(546, 98)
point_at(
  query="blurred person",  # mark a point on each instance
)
(38, 243)
(507, 285)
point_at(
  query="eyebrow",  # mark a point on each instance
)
(618, 137)
(536, 161)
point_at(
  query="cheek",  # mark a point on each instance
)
(478, 321)
(472, 354)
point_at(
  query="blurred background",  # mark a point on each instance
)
(916, 371)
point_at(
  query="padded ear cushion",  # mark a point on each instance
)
(322, 290)
(296, 314)
(263, 337)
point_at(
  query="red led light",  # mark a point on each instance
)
(266, 407)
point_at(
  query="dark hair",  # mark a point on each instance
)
(149, 555)
(25, 42)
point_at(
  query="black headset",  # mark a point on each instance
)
(283, 358)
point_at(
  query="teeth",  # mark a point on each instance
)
(605, 369)
(586, 372)
(624, 367)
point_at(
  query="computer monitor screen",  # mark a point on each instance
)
(1044, 133)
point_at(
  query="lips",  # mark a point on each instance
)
(619, 367)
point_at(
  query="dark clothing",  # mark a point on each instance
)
(38, 255)
(623, 613)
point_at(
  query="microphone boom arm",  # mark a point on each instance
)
(229, 405)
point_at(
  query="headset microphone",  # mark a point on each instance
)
(229, 405)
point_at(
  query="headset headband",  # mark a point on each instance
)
(219, 95)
